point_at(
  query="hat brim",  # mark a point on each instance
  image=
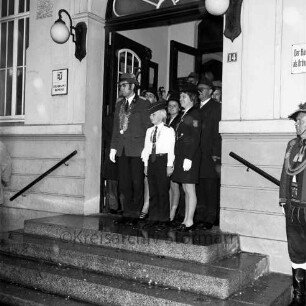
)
(294, 114)
(130, 81)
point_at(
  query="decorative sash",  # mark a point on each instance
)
(124, 116)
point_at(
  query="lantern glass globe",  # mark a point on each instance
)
(59, 32)
(217, 7)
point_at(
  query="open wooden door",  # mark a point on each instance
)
(183, 60)
(122, 55)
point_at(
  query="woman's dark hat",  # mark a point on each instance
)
(157, 106)
(128, 77)
(175, 96)
(151, 90)
(301, 109)
(189, 87)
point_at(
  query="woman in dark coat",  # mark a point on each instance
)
(187, 152)
(174, 117)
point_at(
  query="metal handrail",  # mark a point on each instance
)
(254, 168)
(43, 175)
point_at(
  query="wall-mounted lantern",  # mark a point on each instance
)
(60, 34)
(232, 11)
(217, 7)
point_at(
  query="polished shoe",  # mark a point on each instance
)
(132, 221)
(161, 226)
(203, 225)
(122, 221)
(115, 211)
(207, 225)
(180, 227)
(143, 216)
(185, 228)
(173, 223)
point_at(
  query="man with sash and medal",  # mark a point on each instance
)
(131, 120)
(293, 200)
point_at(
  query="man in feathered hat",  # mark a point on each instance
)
(131, 120)
(293, 199)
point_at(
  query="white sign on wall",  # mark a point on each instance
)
(59, 82)
(298, 63)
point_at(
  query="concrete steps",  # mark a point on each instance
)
(12, 294)
(90, 259)
(219, 279)
(105, 290)
(202, 247)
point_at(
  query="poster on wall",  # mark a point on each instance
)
(59, 82)
(298, 63)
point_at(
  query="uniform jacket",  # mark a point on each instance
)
(296, 194)
(132, 140)
(175, 121)
(210, 138)
(188, 132)
(5, 170)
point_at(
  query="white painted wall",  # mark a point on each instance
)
(259, 92)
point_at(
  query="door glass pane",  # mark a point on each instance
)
(4, 8)
(9, 77)
(26, 40)
(136, 62)
(10, 44)
(20, 42)
(21, 6)
(122, 62)
(19, 91)
(2, 91)
(129, 63)
(185, 65)
(3, 45)
(28, 6)
(11, 7)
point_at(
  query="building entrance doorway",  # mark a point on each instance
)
(166, 42)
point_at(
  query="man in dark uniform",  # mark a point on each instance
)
(208, 188)
(293, 199)
(131, 120)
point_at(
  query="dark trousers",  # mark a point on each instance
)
(207, 200)
(159, 184)
(131, 184)
(296, 232)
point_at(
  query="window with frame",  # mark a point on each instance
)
(14, 42)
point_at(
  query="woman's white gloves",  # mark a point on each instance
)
(187, 164)
(112, 155)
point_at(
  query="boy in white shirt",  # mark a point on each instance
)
(158, 158)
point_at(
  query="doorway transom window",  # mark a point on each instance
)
(128, 62)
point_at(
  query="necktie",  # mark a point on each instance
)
(126, 106)
(153, 152)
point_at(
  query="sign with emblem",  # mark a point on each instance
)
(130, 7)
(298, 62)
(59, 82)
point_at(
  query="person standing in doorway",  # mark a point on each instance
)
(131, 120)
(174, 117)
(207, 189)
(187, 153)
(292, 197)
(158, 158)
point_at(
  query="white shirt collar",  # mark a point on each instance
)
(160, 125)
(204, 102)
(187, 109)
(130, 99)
